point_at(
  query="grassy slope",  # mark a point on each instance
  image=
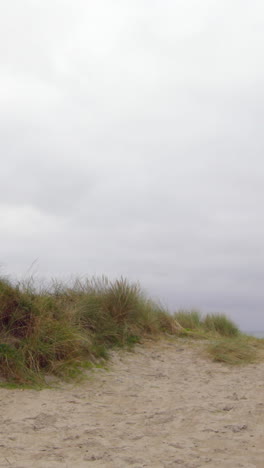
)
(61, 329)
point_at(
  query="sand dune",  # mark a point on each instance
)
(164, 405)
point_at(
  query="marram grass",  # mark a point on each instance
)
(233, 351)
(62, 329)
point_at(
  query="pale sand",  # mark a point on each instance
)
(165, 405)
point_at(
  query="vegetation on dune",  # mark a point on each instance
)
(62, 329)
(189, 320)
(212, 323)
(233, 351)
(226, 343)
(221, 324)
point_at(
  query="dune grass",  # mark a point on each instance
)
(63, 328)
(233, 351)
(226, 343)
(221, 324)
(189, 320)
(193, 321)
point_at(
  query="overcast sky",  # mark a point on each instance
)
(131, 136)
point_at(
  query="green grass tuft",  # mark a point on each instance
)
(190, 320)
(233, 351)
(221, 324)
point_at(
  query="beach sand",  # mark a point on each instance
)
(163, 405)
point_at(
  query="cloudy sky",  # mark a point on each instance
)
(132, 144)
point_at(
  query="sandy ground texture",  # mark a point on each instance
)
(164, 405)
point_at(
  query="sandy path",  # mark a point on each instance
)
(164, 405)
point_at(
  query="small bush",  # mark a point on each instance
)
(219, 323)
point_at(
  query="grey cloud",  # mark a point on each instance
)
(131, 143)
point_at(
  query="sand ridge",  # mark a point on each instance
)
(163, 405)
